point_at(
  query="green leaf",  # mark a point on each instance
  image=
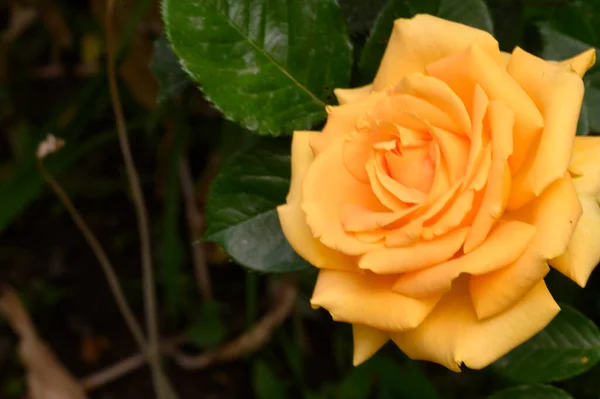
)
(172, 80)
(266, 384)
(559, 46)
(470, 12)
(568, 346)
(474, 13)
(400, 380)
(241, 213)
(531, 392)
(208, 330)
(270, 68)
(361, 14)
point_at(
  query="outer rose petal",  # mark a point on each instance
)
(582, 62)
(504, 246)
(554, 215)
(302, 158)
(424, 39)
(369, 300)
(558, 93)
(298, 234)
(367, 341)
(585, 166)
(452, 334)
(293, 219)
(414, 257)
(347, 96)
(342, 119)
(583, 253)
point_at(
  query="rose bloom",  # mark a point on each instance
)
(435, 198)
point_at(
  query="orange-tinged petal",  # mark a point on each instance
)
(452, 334)
(452, 217)
(465, 69)
(585, 166)
(423, 39)
(356, 218)
(439, 94)
(413, 169)
(558, 93)
(501, 120)
(327, 188)
(393, 107)
(298, 234)
(582, 62)
(405, 194)
(341, 121)
(302, 158)
(583, 252)
(495, 292)
(555, 215)
(413, 257)
(367, 341)
(368, 299)
(454, 150)
(504, 245)
(347, 96)
(478, 141)
(462, 71)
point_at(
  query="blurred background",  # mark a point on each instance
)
(53, 79)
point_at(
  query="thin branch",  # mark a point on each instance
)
(126, 366)
(249, 341)
(196, 226)
(107, 267)
(141, 212)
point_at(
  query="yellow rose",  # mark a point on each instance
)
(434, 199)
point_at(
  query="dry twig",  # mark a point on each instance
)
(158, 378)
(249, 341)
(196, 226)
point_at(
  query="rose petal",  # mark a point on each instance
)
(555, 215)
(582, 62)
(394, 107)
(439, 94)
(585, 166)
(298, 234)
(367, 341)
(452, 217)
(368, 299)
(341, 121)
(558, 93)
(423, 39)
(413, 169)
(464, 70)
(501, 120)
(302, 158)
(495, 292)
(452, 334)
(405, 194)
(504, 246)
(327, 188)
(455, 151)
(583, 252)
(417, 256)
(347, 96)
